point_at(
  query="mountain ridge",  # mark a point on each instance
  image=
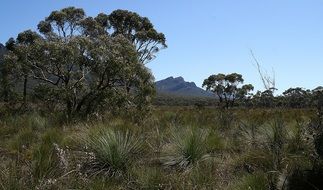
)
(177, 86)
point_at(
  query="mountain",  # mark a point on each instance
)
(179, 87)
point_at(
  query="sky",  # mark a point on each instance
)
(207, 37)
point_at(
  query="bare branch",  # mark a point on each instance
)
(268, 81)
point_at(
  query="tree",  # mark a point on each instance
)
(264, 99)
(244, 93)
(268, 81)
(75, 63)
(296, 97)
(225, 87)
(8, 73)
(19, 52)
(139, 30)
(318, 103)
(5, 86)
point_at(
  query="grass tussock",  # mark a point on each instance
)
(113, 151)
(188, 146)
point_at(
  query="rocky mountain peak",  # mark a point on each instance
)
(178, 86)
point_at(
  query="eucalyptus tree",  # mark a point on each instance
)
(226, 87)
(137, 29)
(20, 51)
(244, 93)
(140, 31)
(317, 96)
(5, 82)
(296, 97)
(84, 63)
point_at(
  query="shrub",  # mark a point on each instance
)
(256, 181)
(189, 147)
(214, 141)
(113, 151)
(46, 160)
(225, 118)
(276, 140)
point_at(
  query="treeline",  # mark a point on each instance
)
(291, 98)
(172, 100)
(229, 91)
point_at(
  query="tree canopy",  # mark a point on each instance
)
(226, 87)
(82, 63)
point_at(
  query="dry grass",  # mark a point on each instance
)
(202, 149)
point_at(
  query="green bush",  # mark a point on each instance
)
(189, 147)
(46, 159)
(113, 151)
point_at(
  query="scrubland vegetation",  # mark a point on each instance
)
(77, 113)
(174, 148)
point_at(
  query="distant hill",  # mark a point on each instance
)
(179, 87)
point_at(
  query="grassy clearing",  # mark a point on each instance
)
(175, 148)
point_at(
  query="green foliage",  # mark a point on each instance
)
(113, 151)
(259, 150)
(140, 31)
(189, 147)
(226, 87)
(214, 142)
(224, 119)
(149, 178)
(257, 181)
(23, 140)
(203, 176)
(84, 65)
(46, 160)
(276, 141)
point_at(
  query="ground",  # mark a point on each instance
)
(173, 148)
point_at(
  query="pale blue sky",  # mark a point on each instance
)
(210, 36)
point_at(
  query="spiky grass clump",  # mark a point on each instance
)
(256, 181)
(214, 141)
(189, 147)
(274, 139)
(113, 151)
(46, 161)
(23, 140)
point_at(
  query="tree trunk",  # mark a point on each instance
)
(69, 110)
(5, 83)
(226, 101)
(25, 90)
